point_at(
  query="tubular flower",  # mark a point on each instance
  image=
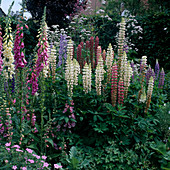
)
(87, 72)
(120, 91)
(99, 76)
(76, 71)
(1, 60)
(127, 76)
(96, 49)
(114, 77)
(161, 79)
(19, 56)
(149, 93)
(121, 39)
(7, 53)
(70, 49)
(157, 69)
(109, 61)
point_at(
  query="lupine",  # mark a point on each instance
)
(149, 93)
(127, 77)
(87, 47)
(148, 74)
(120, 92)
(114, 77)
(79, 56)
(62, 50)
(70, 49)
(87, 78)
(7, 53)
(121, 39)
(156, 69)
(104, 55)
(76, 71)
(69, 75)
(98, 54)
(1, 47)
(123, 65)
(91, 50)
(99, 76)
(143, 97)
(161, 79)
(96, 48)
(109, 61)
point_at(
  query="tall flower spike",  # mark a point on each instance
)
(104, 55)
(123, 65)
(76, 71)
(96, 49)
(161, 79)
(149, 94)
(98, 54)
(121, 39)
(127, 77)
(79, 56)
(7, 53)
(87, 78)
(99, 76)
(91, 50)
(120, 92)
(70, 49)
(109, 61)
(114, 77)
(148, 74)
(157, 69)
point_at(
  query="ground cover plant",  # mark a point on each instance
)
(76, 106)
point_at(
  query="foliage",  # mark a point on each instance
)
(56, 10)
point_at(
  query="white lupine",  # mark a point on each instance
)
(76, 71)
(143, 97)
(121, 39)
(109, 59)
(87, 78)
(69, 75)
(99, 75)
(70, 49)
(127, 77)
(123, 64)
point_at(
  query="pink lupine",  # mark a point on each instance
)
(120, 92)
(96, 49)
(104, 55)
(98, 54)
(114, 77)
(91, 50)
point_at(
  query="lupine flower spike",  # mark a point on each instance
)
(149, 94)
(114, 77)
(87, 78)
(161, 79)
(121, 39)
(109, 61)
(156, 69)
(120, 92)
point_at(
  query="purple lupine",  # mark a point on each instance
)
(148, 74)
(156, 69)
(12, 81)
(161, 79)
(126, 48)
(1, 60)
(62, 50)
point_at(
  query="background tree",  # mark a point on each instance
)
(58, 12)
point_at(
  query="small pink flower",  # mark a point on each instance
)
(14, 167)
(8, 144)
(18, 150)
(29, 150)
(8, 149)
(45, 164)
(57, 166)
(24, 168)
(44, 157)
(14, 101)
(31, 161)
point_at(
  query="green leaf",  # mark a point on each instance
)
(50, 141)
